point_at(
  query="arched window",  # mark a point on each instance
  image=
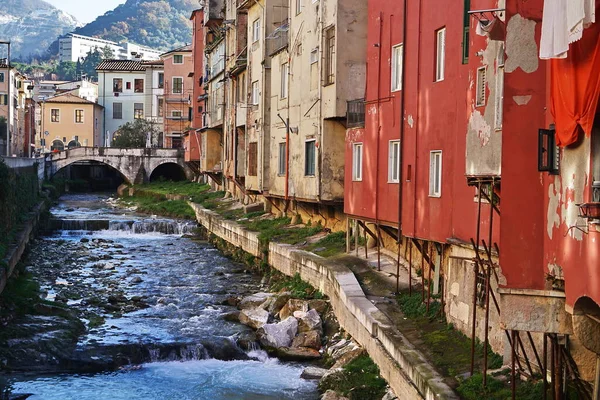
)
(72, 144)
(57, 145)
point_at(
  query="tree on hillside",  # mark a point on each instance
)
(135, 134)
(66, 71)
(90, 62)
(108, 53)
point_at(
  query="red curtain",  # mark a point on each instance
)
(575, 87)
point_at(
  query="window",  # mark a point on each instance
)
(177, 85)
(128, 85)
(435, 173)
(241, 87)
(138, 110)
(309, 157)
(255, 93)
(161, 80)
(282, 159)
(138, 85)
(3, 99)
(252, 158)
(57, 145)
(481, 81)
(466, 22)
(397, 59)
(394, 162)
(117, 110)
(314, 55)
(498, 111)
(55, 115)
(1, 77)
(79, 116)
(256, 30)
(161, 103)
(117, 85)
(548, 151)
(178, 59)
(440, 53)
(357, 156)
(298, 6)
(329, 68)
(176, 114)
(284, 80)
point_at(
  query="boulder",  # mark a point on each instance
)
(231, 301)
(389, 395)
(291, 306)
(310, 339)
(319, 306)
(331, 395)
(233, 316)
(275, 303)
(280, 334)
(348, 357)
(310, 322)
(313, 373)
(253, 301)
(254, 317)
(297, 354)
(339, 352)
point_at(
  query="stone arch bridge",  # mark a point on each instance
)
(135, 165)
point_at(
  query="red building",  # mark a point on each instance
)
(461, 97)
(422, 143)
(550, 212)
(192, 138)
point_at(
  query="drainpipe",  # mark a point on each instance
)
(402, 112)
(417, 122)
(378, 137)
(321, 122)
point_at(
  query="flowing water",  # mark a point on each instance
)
(146, 289)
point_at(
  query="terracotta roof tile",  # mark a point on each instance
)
(120, 65)
(69, 98)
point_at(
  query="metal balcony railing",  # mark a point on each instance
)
(355, 113)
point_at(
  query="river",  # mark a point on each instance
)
(149, 293)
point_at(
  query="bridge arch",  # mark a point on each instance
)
(135, 165)
(168, 170)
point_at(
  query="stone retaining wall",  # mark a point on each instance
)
(14, 253)
(404, 367)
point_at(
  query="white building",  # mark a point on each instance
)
(73, 47)
(84, 88)
(128, 90)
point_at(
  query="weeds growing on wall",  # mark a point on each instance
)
(18, 195)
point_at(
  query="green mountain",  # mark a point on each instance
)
(160, 24)
(31, 26)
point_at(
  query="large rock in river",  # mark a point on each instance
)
(310, 321)
(291, 306)
(280, 334)
(253, 301)
(254, 317)
(310, 339)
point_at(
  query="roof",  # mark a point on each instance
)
(121, 65)
(68, 98)
(154, 62)
(4, 65)
(183, 49)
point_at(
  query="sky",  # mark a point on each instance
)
(86, 11)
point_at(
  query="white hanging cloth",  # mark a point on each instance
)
(563, 22)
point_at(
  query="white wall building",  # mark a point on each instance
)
(73, 47)
(126, 93)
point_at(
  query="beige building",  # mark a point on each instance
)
(70, 121)
(311, 82)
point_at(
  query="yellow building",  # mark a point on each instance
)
(70, 121)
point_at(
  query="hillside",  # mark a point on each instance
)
(32, 25)
(160, 24)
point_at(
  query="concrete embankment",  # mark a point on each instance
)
(15, 250)
(404, 367)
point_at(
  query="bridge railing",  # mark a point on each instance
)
(115, 152)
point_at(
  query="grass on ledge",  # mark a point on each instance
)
(329, 246)
(185, 188)
(168, 208)
(437, 335)
(295, 285)
(360, 380)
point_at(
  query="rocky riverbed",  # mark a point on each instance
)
(135, 313)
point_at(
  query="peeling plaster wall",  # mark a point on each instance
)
(484, 136)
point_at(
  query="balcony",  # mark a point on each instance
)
(278, 40)
(355, 113)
